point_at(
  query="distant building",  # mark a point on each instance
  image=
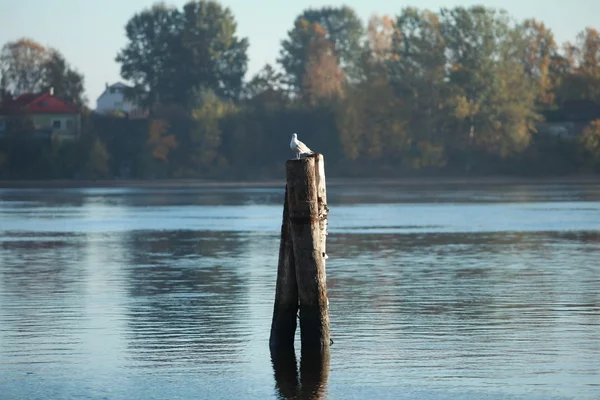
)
(39, 116)
(113, 101)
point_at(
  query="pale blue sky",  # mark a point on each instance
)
(90, 32)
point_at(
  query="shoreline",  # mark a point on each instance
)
(204, 183)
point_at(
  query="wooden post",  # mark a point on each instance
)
(322, 199)
(283, 325)
(306, 202)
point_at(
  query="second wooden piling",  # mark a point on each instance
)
(283, 325)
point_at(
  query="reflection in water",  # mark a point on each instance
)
(314, 372)
(185, 312)
(435, 293)
(35, 272)
(285, 368)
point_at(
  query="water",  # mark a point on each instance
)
(436, 292)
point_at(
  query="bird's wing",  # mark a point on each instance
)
(302, 148)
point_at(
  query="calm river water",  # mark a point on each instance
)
(436, 292)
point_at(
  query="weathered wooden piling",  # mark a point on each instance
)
(302, 253)
(283, 325)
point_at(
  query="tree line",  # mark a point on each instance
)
(458, 91)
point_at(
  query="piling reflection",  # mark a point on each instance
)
(314, 372)
(285, 369)
(310, 383)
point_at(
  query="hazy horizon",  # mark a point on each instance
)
(89, 35)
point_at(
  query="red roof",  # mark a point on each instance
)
(44, 103)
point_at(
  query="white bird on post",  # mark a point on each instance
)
(299, 147)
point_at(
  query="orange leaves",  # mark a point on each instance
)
(589, 52)
(26, 44)
(323, 77)
(22, 65)
(159, 141)
(464, 108)
(380, 33)
(590, 139)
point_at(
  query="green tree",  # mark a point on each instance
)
(372, 122)
(266, 87)
(492, 97)
(206, 133)
(417, 71)
(148, 58)
(217, 57)
(29, 67)
(66, 82)
(170, 54)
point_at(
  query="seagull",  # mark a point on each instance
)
(299, 147)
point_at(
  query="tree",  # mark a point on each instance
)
(266, 88)
(587, 52)
(583, 61)
(490, 93)
(160, 141)
(590, 142)
(345, 30)
(22, 65)
(372, 123)
(218, 58)
(380, 36)
(206, 134)
(170, 54)
(539, 53)
(323, 77)
(340, 26)
(29, 67)
(377, 50)
(310, 62)
(417, 71)
(148, 58)
(97, 163)
(66, 82)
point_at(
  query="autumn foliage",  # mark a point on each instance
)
(461, 90)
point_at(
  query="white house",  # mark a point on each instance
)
(113, 100)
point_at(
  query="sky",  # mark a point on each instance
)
(90, 33)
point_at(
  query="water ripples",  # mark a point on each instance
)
(106, 295)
